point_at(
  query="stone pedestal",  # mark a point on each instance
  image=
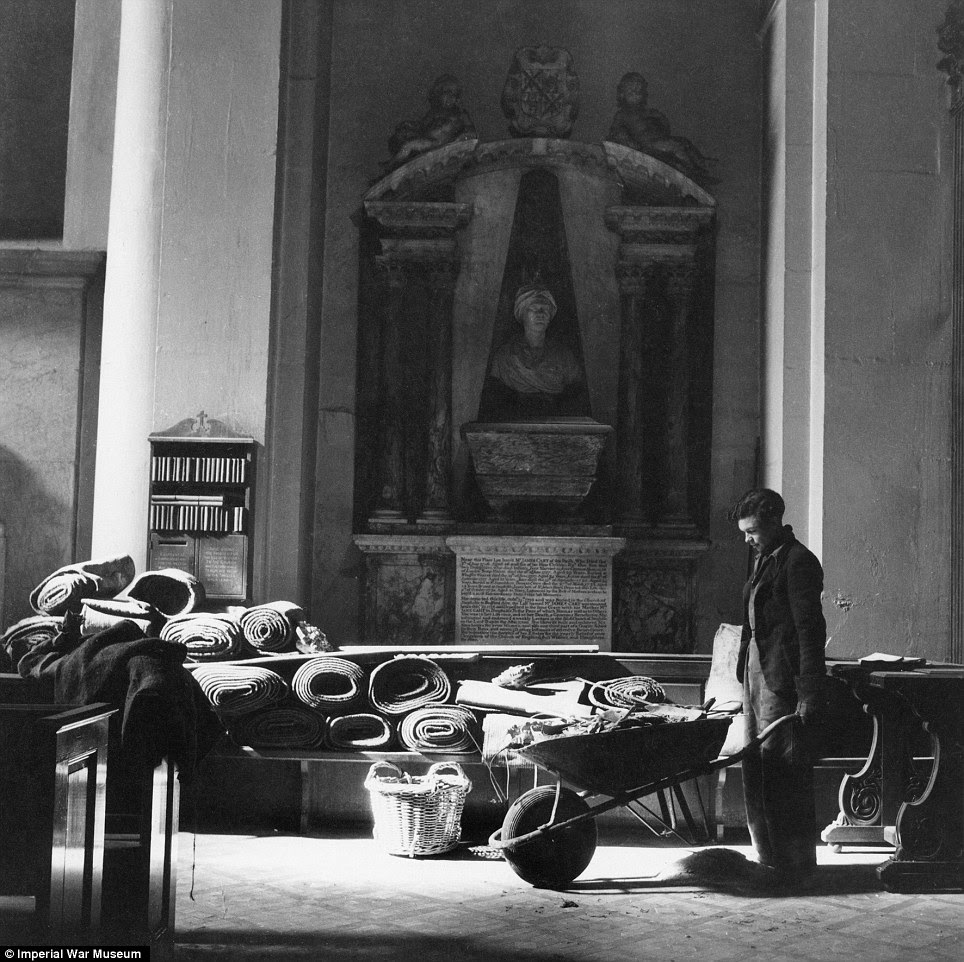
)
(534, 590)
(408, 589)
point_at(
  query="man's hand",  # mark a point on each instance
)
(812, 710)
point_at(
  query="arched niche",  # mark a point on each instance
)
(438, 266)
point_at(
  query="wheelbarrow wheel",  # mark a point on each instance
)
(553, 860)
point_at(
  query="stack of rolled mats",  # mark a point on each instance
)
(101, 593)
(399, 703)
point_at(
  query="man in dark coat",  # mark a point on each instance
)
(781, 665)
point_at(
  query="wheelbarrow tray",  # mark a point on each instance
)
(624, 759)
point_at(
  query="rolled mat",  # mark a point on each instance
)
(25, 635)
(329, 683)
(65, 588)
(169, 590)
(407, 682)
(360, 731)
(275, 728)
(271, 627)
(445, 729)
(626, 692)
(240, 689)
(98, 614)
(207, 637)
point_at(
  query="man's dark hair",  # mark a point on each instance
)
(761, 503)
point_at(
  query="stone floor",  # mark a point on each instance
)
(271, 896)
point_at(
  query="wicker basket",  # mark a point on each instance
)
(420, 815)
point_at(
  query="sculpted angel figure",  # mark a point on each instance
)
(644, 128)
(445, 121)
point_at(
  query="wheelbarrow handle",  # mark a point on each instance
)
(726, 760)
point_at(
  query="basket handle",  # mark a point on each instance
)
(382, 768)
(439, 767)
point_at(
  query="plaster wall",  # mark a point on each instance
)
(886, 523)
(703, 65)
(218, 197)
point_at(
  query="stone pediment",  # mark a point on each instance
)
(643, 179)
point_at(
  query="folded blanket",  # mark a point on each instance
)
(96, 614)
(207, 637)
(329, 683)
(65, 588)
(448, 729)
(276, 728)
(554, 700)
(27, 634)
(359, 732)
(240, 689)
(407, 682)
(169, 590)
(271, 627)
(628, 692)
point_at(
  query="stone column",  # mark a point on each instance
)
(629, 440)
(438, 483)
(675, 508)
(951, 44)
(131, 284)
(390, 478)
(418, 243)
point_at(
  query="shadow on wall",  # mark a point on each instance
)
(39, 534)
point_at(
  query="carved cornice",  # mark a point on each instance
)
(537, 152)
(643, 551)
(419, 218)
(547, 547)
(681, 224)
(424, 172)
(950, 41)
(652, 177)
(401, 544)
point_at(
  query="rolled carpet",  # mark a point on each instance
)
(240, 689)
(274, 728)
(207, 637)
(359, 732)
(329, 683)
(271, 627)
(169, 590)
(26, 634)
(445, 729)
(407, 682)
(97, 614)
(626, 692)
(64, 589)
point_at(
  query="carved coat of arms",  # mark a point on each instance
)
(541, 93)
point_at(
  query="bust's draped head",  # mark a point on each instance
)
(529, 294)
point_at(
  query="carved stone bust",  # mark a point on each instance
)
(533, 374)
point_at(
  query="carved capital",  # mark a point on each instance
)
(418, 218)
(950, 41)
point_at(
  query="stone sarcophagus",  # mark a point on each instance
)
(548, 463)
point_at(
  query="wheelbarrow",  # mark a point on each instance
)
(548, 836)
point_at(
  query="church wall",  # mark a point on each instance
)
(886, 523)
(702, 61)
